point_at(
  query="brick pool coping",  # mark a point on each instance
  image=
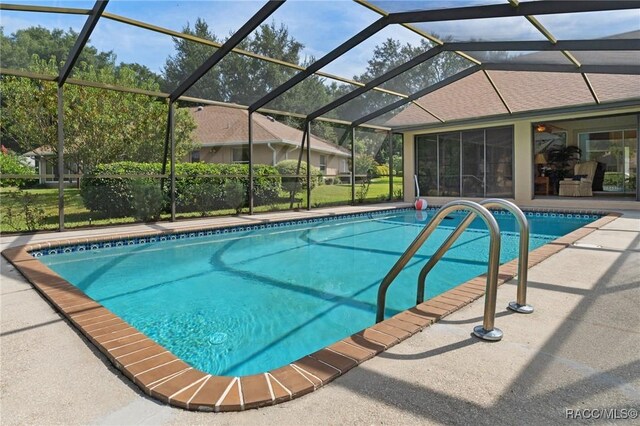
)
(165, 377)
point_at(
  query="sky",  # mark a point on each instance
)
(319, 25)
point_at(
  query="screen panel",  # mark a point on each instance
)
(221, 17)
(406, 115)
(41, 42)
(390, 47)
(362, 105)
(428, 73)
(309, 95)
(310, 28)
(371, 161)
(138, 57)
(242, 80)
(331, 155)
(408, 6)
(592, 25)
(522, 57)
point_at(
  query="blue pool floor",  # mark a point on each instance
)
(247, 302)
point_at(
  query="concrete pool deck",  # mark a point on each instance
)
(578, 350)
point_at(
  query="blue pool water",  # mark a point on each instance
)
(246, 302)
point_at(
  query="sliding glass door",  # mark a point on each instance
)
(449, 164)
(472, 163)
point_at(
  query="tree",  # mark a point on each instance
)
(23, 49)
(247, 79)
(142, 74)
(243, 79)
(12, 164)
(189, 56)
(391, 54)
(101, 126)
(19, 48)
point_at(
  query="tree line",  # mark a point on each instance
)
(103, 126)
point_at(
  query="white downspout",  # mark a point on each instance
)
(273, 161)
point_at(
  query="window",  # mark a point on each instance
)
(616, 151)
(195, 156)
(323, 164)
(472, 163)
(241, 154)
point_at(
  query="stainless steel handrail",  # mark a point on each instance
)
(487, 330)
(520, 305)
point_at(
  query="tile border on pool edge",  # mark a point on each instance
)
(165, 377)
(150, 237)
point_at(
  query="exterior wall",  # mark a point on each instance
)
(334, 166)
(262, 154)
(523, 153)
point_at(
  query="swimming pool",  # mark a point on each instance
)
(244, 301)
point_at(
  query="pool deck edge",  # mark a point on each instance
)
(165, 377)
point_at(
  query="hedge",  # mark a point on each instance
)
(291, 183)
(200, 187)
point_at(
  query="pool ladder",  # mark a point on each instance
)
(486, 331)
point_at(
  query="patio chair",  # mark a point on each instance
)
(580, 184)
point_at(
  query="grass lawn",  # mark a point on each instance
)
(378, 191)
(76, 215)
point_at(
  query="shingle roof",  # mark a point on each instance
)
(219, 126)
(615, 87)
(474, 97)
(41, 151)
(528, 91)
(469, 97)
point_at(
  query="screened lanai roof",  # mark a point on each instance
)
(464, 58)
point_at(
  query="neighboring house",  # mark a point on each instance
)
(489, 135)
(45, 162)
(223, 136)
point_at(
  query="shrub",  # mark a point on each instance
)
(398, 194)
(22, 210)
(11, 164)
(113, 194)
(365, 164)
(235, 195)
(363, 190)
(381, 170)
(148, 200)
(331, 180)
(200, 187)
(267, 184)
(291, 183)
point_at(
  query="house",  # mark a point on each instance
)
(45, 162)
(223, 136)
(491, 134)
